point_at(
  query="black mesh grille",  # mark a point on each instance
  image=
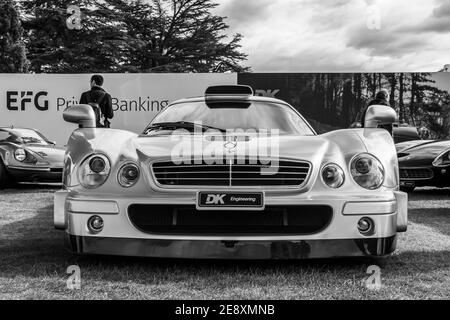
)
(424, 173)
(281, 173)
(187, 220)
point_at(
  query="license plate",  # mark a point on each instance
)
(230, 200)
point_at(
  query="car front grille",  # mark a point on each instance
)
(245, 174)
(416, 173)
(187, 220)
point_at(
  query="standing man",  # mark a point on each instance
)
(99, 100)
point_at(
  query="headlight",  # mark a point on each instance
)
(20, 155)
(94, 171)
(128, 175)
(367, 171)
(442, 160)
(24, 156)
(333, 175)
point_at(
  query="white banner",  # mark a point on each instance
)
(37, 101)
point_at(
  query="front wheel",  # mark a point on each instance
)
(4, 179)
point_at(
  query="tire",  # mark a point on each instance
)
(4, 179)
(407, 189)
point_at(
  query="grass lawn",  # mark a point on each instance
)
(33, 263)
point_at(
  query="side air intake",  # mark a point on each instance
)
(229, 90)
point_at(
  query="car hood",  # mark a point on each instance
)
(51, 154)
(311, 148)
(421, 153)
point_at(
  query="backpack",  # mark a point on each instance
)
(96, 107)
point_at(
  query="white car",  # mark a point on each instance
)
(184, 188)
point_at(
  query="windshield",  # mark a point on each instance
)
(253, 115)
(29, 136)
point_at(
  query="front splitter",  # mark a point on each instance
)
(207, 249)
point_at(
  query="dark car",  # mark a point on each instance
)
(424, 163)
(405, 132)
(402, 132)
(28, 156)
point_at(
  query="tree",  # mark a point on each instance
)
(392, 79)
(130, 36)
(374, 85)
(400, 98)
(12, 49)
(98, 46)
(413, 94)
(357, 89)
(347, 102)
(370, 85)
(182, 36)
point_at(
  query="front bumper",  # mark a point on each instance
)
(35, 174)
(439, 177)
(341, 237)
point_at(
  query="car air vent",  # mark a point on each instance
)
(229, 90)
(402, 154)
(180, 219)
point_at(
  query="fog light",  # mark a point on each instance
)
(95, 224)
(365, 226)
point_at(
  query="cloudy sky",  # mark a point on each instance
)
(341, 35)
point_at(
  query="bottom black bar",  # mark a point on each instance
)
(220, 309)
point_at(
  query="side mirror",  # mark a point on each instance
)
(379, 115)
(82, 114)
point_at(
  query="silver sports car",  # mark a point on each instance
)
(231, 175)
(27, 156)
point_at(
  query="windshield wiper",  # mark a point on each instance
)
(181, 125)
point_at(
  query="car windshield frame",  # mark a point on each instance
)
(291, 115)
